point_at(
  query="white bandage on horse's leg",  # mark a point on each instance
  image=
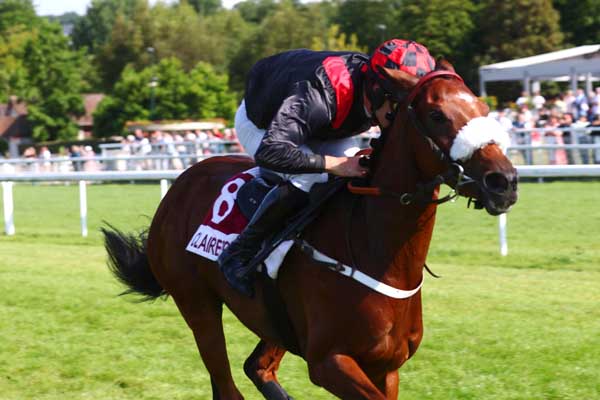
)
(478, 133)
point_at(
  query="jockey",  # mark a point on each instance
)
(299, 113)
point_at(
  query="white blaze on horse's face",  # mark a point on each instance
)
(476, 134)
(467, 97)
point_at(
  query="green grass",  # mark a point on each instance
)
(525, 326)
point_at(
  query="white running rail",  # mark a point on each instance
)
(525, 171)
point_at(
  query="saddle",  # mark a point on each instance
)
(239, 199)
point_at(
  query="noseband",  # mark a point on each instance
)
(424, 192)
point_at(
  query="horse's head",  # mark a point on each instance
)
(448, 124)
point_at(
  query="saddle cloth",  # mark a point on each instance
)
(225, 221)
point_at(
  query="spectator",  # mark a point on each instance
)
(46, 156)
(31, 154)
(566, 122)
(596, 138)
(519, 138)
(581, 104)
(582, 136)
(527, 114)
(594, 99)
(569, 100)
(191, 146)
(503, 119)
(523, 99)
(554, 137)
(89, 165)
(538, 101)
(560, 104)
(75, 154)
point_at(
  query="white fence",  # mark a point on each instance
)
(526, 171)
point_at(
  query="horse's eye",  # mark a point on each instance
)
(437, 116)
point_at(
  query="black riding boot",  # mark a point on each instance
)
(278, 205)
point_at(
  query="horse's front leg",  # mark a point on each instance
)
(341, 375)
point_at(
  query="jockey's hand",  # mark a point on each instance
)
(345, 166)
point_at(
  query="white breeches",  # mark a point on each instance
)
(250, 137)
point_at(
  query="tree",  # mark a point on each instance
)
(518, 28)
(13, 74)
(443, 26)
(180, 32)
(255, 11)
(201, 93)
(129, 40)
(579, 20)
(204, 7)
(17, 13)
(337, 41)
(371, 20)
(514, 29)
(94, 29)
(275, 34)
(172, 32)
(53, 83)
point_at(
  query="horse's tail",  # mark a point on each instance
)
(128, 261)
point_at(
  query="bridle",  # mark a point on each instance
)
(424, 191)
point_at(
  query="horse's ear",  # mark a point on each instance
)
(442, 64)
(402, 80)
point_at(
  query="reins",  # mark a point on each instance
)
(424, 193)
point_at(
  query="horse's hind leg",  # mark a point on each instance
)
(261, 367)
(204, 317)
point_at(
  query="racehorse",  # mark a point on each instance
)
(353, 338)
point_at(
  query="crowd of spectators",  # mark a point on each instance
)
(138, 151)
(183, 148)
(569, 118)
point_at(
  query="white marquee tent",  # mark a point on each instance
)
(577, 63)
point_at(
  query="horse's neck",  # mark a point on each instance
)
(397, 235)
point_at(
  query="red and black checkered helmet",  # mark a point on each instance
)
(404, 55)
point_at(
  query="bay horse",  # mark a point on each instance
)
(353, 338)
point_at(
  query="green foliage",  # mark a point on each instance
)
(273, 36)
(255, 11)
(373, 21)
(54, 95)
(16, 13)
(579, 20)
(336, 41)
(179, 32)
(444, 26)
(13, 74)
(519, 28)
(491, 101)
(69, 18)
(204, 7)
(129, 39)
(17, 20)
(201, 93)
(38, 66)
(94, 29)
(172, 31)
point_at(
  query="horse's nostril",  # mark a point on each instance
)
(496, 182)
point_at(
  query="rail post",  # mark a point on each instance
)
(7, 197)
(83, 208)
(502, 233)
(164, 187)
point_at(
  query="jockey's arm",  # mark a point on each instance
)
(301, 114)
